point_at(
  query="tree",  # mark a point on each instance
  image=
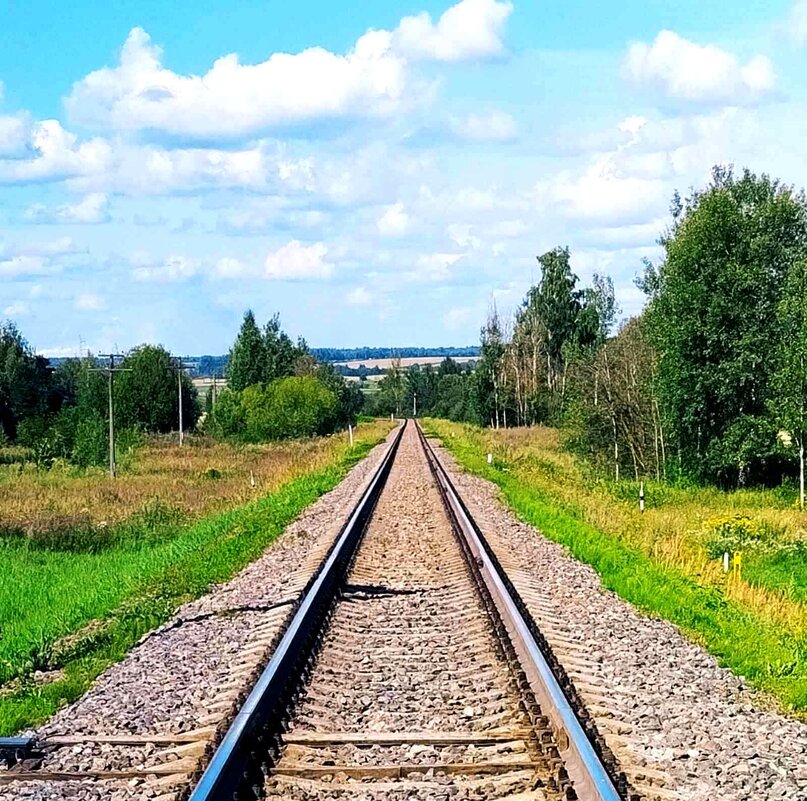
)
(713, 319)
(488, 390)
(248, 362)
(146, 395)
(280, 354)
(26, 383)
(789, 399)
(557, 303)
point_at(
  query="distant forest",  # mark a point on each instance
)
(217, 365)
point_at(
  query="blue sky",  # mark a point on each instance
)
(378, 174)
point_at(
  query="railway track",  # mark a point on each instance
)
(406, 668)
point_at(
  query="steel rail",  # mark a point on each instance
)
(237, 767)
(590, 777)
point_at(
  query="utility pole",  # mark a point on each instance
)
(180, 368)
(414, 403)
(110, 371)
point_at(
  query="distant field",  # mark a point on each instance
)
(385, 364)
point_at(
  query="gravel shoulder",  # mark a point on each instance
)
(682, 726)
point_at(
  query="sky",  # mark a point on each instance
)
(379, 173)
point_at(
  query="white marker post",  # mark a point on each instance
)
(350, 433)
(490, 458)
(725, 561)
(641, 497)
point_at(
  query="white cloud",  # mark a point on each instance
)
(432, 267)
(91, 208)
(460, 234)
(496, 126)
(14, 132)
(605, 192)
(296, 261)
(174, 268)
(394, 221)
(687, 71)
(89, 301)
(58, 155)
(234, 99)
(228, 267)
(17, 309)
(359, 297)
(471, 29)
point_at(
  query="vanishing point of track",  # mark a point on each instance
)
(408, 669)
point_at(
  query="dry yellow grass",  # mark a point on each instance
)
(672, 527)
(181, 478)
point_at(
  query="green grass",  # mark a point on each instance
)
(773, 658)
(124, 592)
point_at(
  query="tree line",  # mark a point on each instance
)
(62, 412)
(708, 382)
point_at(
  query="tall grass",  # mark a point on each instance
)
(665, 561)
(78, 609)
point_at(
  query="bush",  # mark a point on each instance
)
(90, 443)
(297, 406)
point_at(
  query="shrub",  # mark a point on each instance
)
(90, 443)
(299, 406)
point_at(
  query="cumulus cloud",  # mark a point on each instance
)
(90, 209)
(497, 126)
(471, 29)
(298, 262)
(394, 221)
(686, 71)
(234, 99)
(56, 154)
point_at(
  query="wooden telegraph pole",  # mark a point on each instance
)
(110, 370)
(180, 368)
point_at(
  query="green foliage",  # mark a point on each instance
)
(26, 383)
(90, 443)
(297, 406)
(146, 395)
(713, 319)
(247, 362)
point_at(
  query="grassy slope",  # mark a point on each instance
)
(46, 595)
(771, 653)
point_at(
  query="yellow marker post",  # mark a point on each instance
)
(737, 563)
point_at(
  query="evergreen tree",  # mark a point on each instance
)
(247, 365)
